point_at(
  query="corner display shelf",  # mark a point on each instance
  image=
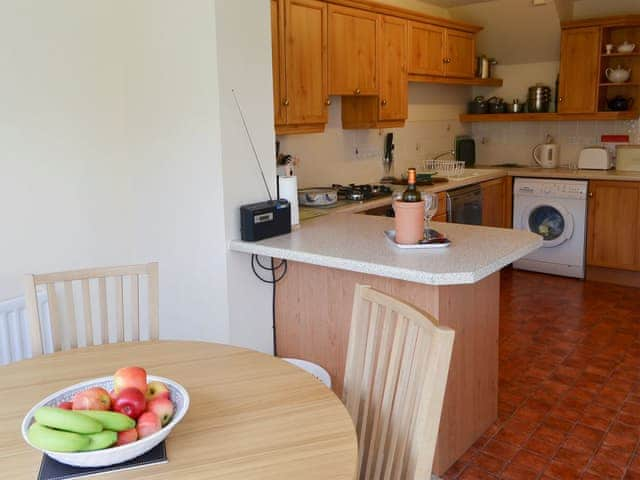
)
(548, 117)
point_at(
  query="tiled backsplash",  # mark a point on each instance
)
(498, 143)
(331, 157)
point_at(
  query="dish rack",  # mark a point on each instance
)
(445, 168)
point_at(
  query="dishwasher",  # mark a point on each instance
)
(464, 205)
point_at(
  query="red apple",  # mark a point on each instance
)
(66, 405)
(157, 390)
(95, 398)
(127, 377)
(148, 424)
(131, 402)
(128, 436)
(163, 408)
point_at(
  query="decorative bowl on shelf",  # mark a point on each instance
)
(113, 455)
(618, 74)
(626, 47)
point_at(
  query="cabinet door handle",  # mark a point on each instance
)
(357, 91)
(285, 102)
(560, 99)
(590, 194)
(447, 60)
(327, 102)
(384, 103)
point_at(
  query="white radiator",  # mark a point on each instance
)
(15, 341)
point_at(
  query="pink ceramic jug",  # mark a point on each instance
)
(409, 221)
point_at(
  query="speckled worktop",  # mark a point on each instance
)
(356, 242)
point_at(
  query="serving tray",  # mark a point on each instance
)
(438, 241)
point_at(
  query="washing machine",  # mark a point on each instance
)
(556, 210)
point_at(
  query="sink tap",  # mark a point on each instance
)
(444, 154)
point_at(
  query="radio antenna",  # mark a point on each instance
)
(253, 147)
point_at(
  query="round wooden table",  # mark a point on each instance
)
(252, 416)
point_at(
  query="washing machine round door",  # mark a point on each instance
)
(550, 220)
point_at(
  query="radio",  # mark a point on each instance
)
(264, 220)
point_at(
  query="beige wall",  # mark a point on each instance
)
(599, 8)
(420, 6)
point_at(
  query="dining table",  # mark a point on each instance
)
(252, 415)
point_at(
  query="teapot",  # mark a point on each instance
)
(618, 74)
(620, 104)
(626, 47)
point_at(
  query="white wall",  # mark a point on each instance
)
(64, 190)
(112, 149)
(244, 56)
(173, 138)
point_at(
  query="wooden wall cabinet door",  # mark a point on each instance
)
(494, 203)
(426, 49)
(579, 70)
(613, 232)
(277, 57)
(353, 51)
(394, 82)
(460, 54)
(300, 65)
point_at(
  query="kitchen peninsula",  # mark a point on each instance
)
(459, 286)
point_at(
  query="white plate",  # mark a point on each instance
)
(391, 236)
(113, 455)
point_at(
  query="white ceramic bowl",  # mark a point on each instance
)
(114, 455)
(626, 47)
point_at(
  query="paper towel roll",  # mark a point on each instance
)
(289, 190)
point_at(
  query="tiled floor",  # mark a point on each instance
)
(569, 396)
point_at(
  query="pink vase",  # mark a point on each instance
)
(409, 222)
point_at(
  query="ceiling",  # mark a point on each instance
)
(453, 3)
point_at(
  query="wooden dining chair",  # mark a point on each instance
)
(395, 379)
(86, 294)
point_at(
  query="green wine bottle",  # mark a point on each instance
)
(411, 194)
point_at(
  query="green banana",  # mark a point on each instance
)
(68, 420)
(110, 420)
(56, 440)
(101, 440)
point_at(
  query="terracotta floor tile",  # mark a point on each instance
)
(569, 383)
(541, 447)
(562, 471)
(530, 461)
(500, 450)
(489, 464)
(474, 472)
(517, 472)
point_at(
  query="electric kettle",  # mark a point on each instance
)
(546, 154)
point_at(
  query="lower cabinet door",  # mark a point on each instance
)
(494, 203)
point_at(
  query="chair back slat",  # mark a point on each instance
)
(54, 318)
(104, 313)
(394, 383)
(68, 330)
(119, 302)
(86, 309)
(135, 308)
(70, 316)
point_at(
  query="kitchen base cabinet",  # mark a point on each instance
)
(494, 203)
(613, 232)
(313, 315)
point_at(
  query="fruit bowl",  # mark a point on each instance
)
(113, 455)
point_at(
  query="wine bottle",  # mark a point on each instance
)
(411, 194)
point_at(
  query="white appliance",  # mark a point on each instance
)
(557, 210)
(595, 158)
(546, 155)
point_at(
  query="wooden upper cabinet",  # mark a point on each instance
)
(394, 82)
(614, 225)
(277, 54)
(441, 52)
(306, 62)
(299, 46)
(426, 49)
(460, 54)
(579, 67)
(353, 51)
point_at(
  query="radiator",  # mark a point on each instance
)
(15, 341)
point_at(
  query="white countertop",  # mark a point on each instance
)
(357, 243)
(573, 174)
